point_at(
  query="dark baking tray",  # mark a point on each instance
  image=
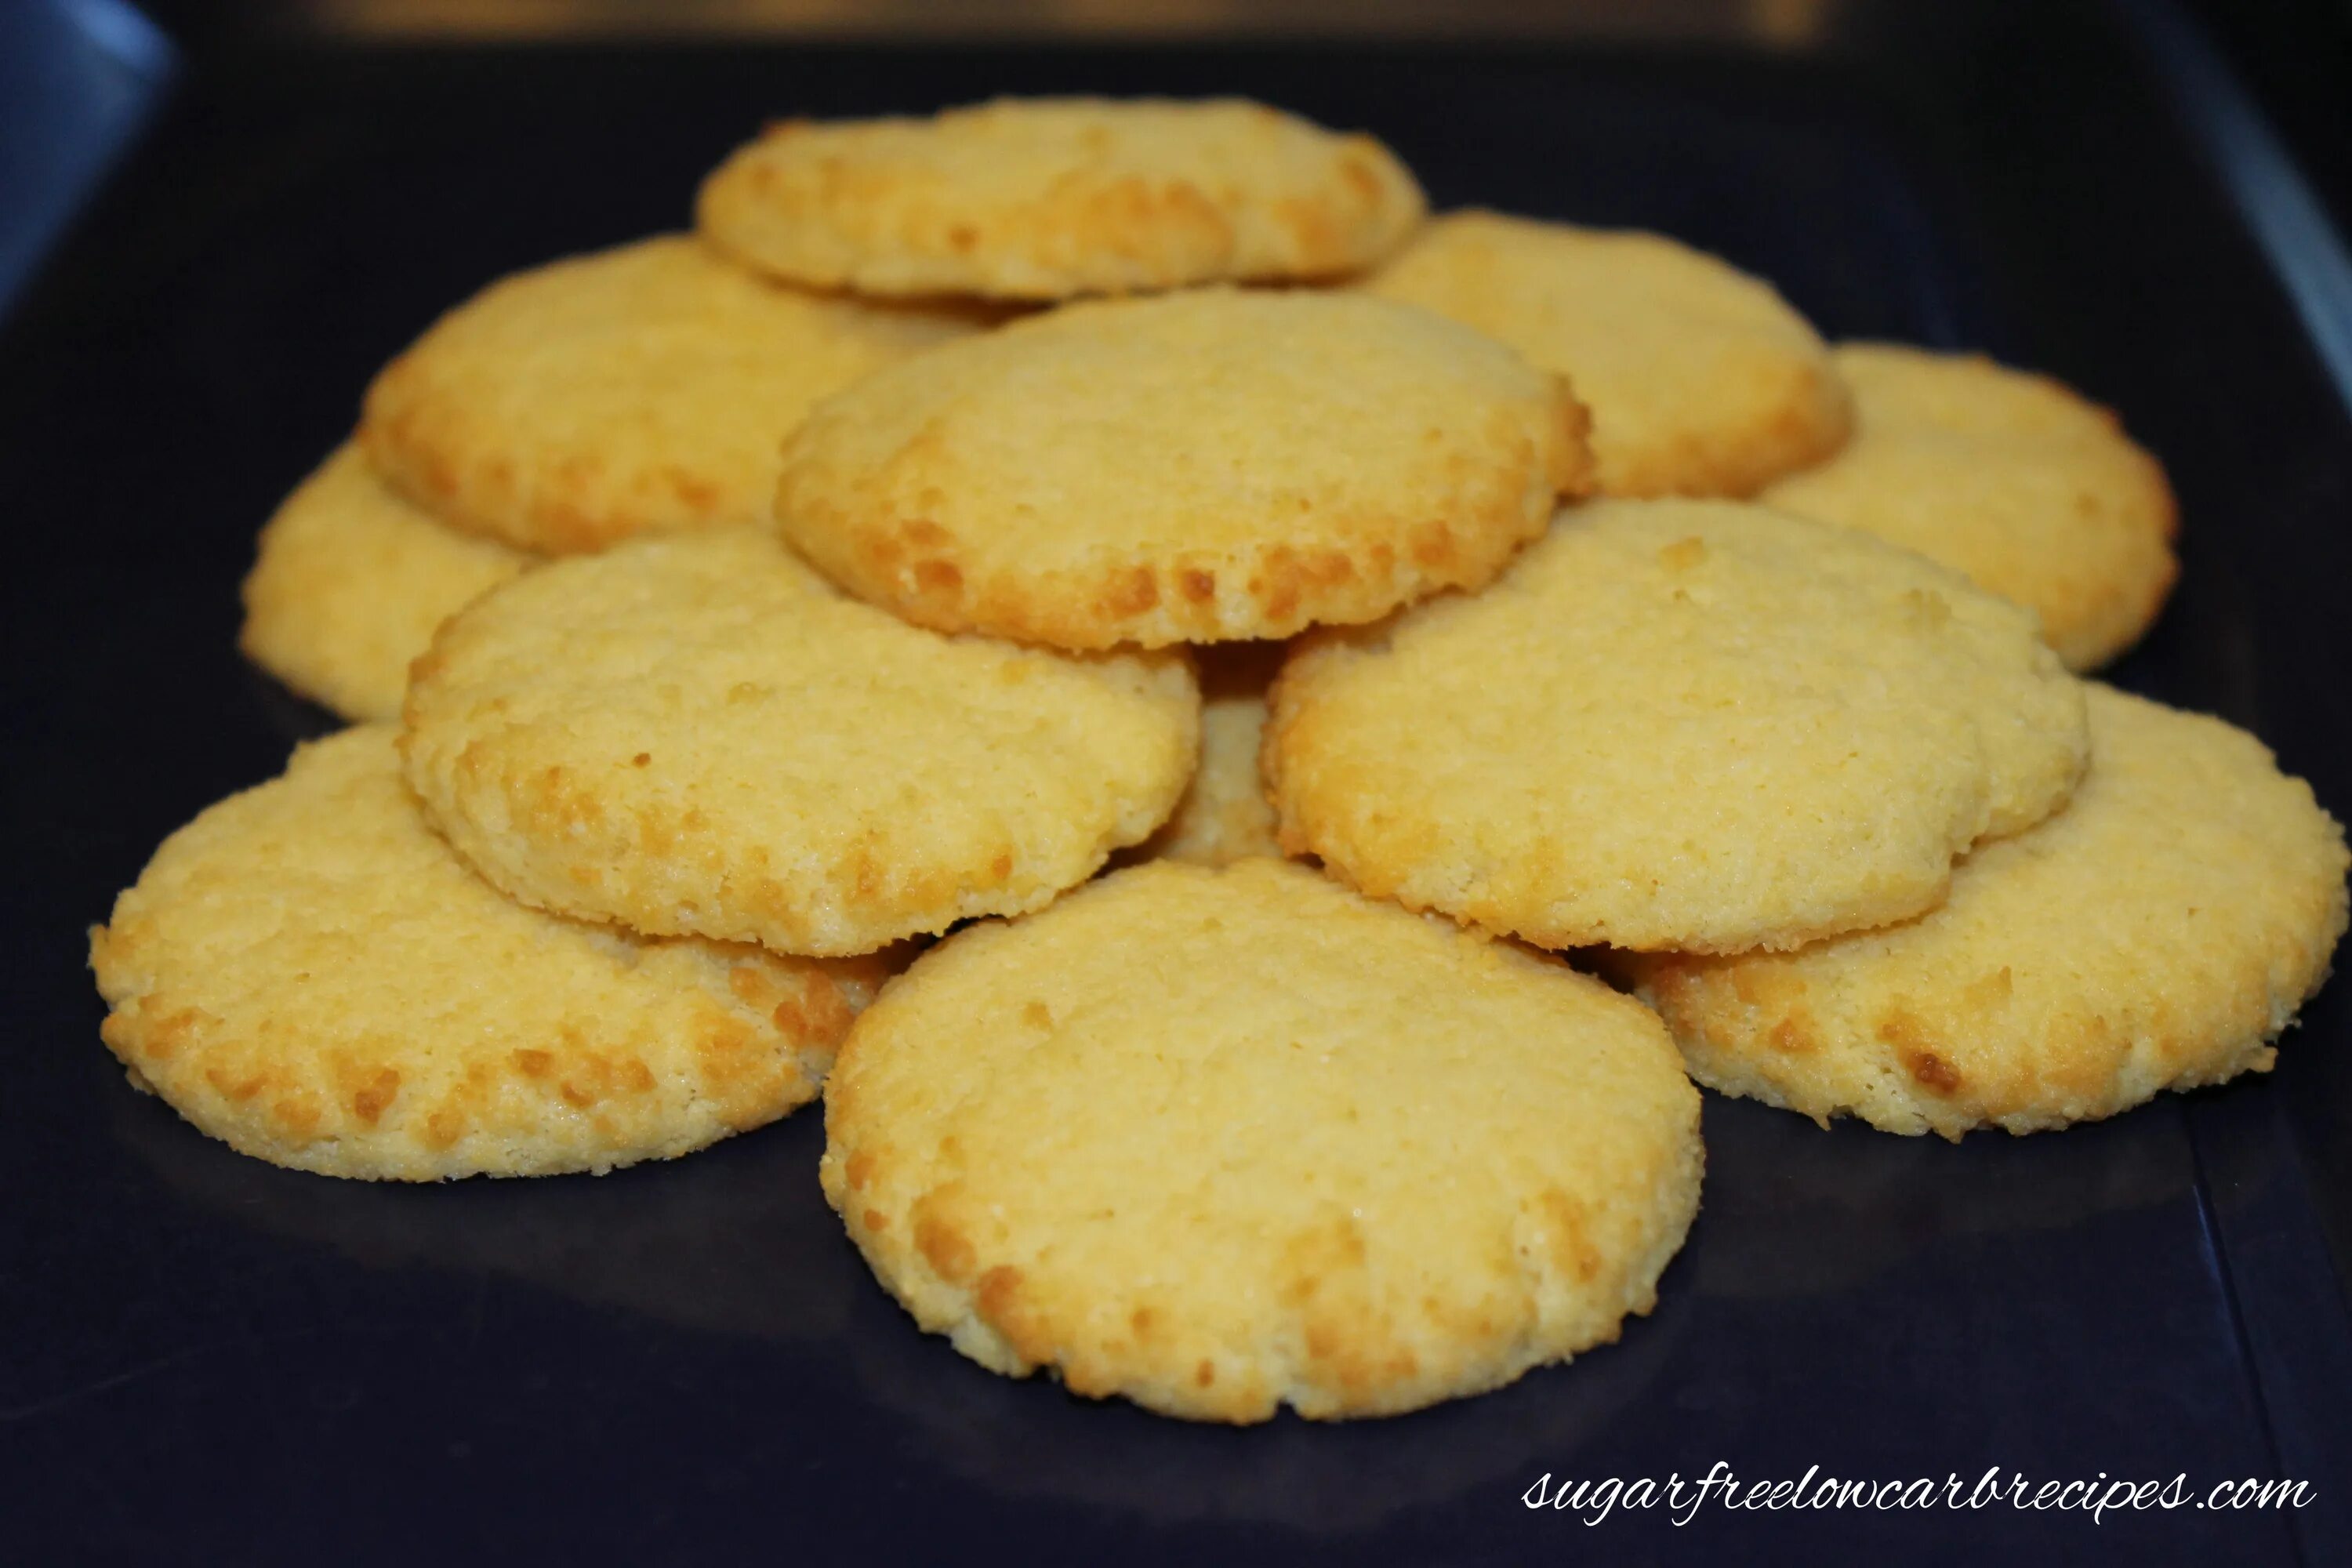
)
(204, 1359)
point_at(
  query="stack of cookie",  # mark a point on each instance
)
(962, 511)
(641, 390)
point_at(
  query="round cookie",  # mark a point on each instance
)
(349, 583)
(2009, 478)
(1225, 815)
(1045, 198)
(2158, 934)
(1222, 1140)
(308, 973)
(698, 736)
(1702, 381)
(641, 389)
(1204, 467)
(1696, 725)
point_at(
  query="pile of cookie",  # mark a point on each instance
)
(1509, 670)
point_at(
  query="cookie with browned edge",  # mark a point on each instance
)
(1701, 726)
(308, 973)
(1223, 1141)
(2012, 479)
(638, 390)
(698, 736)
(2158, 933)
(1204, 467)
(351, 581)
(1702, 380)
(1045, 198)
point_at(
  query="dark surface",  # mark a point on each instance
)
(206, 1359)
(77, 79)
(2297, 57)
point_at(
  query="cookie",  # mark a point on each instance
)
(349, 583)
(1203, 467)
(642, 389)
(1047, 198)
(1695, 725)
(1225, 815)
(2158, 934)
(698, 736)
(2009, 478)
(306, 973)
(1701, 380)
(1222, 1140)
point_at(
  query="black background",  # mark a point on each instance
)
(206, 1359)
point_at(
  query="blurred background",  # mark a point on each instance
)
(79, 77)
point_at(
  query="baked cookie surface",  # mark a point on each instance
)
(1696, 725)
(640, 389)
(698, 736)
(2010, 478)
(1045, 198)
(349, 581)
(1702, 381)
(308, 973)
(1204, 467)
(1221, 1140)
(1225, 815)
(2158, 934)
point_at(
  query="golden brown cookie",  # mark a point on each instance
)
(308, 973)
(1701, 380)
(1203, 467)
(698, 736)
(2009, 478)
(642, 389)
(350, 582)
(1222, 1140)
(1045, 198)
(1696, 725)
(2158, 934)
